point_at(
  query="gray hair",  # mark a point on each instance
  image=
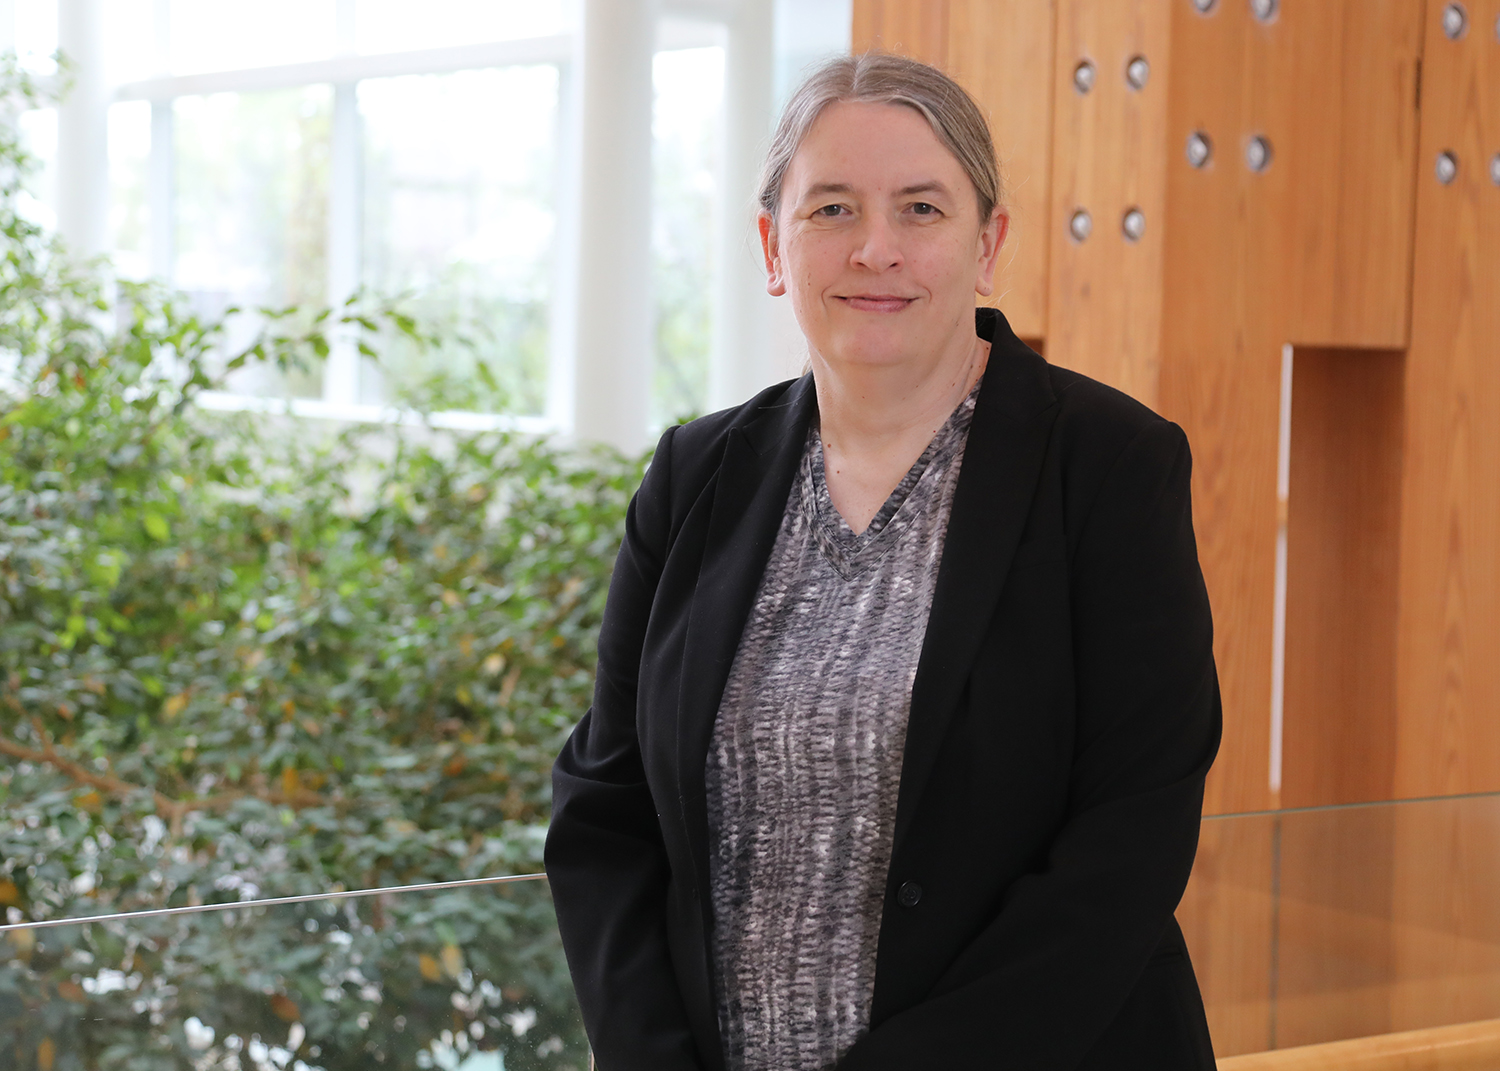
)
(883, 78)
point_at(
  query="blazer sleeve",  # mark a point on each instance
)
(604, 854)
(1042, 981)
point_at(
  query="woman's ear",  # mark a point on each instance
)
(991, 239)
(775, 281)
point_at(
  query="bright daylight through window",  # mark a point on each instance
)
(299, 153)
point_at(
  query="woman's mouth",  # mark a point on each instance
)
(876, 302)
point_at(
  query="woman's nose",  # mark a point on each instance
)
(878, 248)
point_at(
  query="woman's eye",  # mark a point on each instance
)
(829, 210)
(922, 208)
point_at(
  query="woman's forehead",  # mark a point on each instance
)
(858, 145)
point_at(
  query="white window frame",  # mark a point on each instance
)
(738, 365)
(340, 395)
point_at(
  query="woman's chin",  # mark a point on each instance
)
(878, 347)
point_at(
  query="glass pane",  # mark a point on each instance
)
(469, 978)
(208, 35)
(689, 87)
(808, 31)
(459, 213)
(36, 33)
(38, 201)
(388, 25)
(1340, 922)
(129, 40)
(252, 208)
(129, 160)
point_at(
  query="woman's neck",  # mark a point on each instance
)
(876, 421)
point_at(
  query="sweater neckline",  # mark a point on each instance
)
(851, 553)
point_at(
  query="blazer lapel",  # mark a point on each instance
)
(1008, 439)
(754, 480)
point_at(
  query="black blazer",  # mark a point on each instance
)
(1064, 713)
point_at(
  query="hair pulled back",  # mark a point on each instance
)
(883, 78)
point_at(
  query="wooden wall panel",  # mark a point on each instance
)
(1001, 52)
(1313, 248)
(916, 28)
(1344, 525)
(1223, 326)
(1109, 156)
(1351, 152)
(1449, 657)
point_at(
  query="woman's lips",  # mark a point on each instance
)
(876, 302)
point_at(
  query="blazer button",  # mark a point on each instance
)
(909, 895)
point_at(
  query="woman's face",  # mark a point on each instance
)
(878, 239)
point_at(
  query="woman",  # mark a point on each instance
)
(906, 692)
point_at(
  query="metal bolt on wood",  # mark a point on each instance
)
(1446, 167)
(1200, 149)
(1258, 154)
(1455, 21)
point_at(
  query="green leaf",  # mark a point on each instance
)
(156, 526)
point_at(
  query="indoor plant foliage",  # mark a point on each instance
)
(236, 662)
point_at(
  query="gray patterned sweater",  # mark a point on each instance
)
(805, 761)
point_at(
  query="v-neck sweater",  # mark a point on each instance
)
(804, 764)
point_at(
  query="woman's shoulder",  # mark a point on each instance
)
(706, 436)
(1096, 422)
(1090, 420)
(1091, 402)
(689, 455)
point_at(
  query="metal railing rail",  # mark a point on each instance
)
(271, 901)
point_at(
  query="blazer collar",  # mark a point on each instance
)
(753, 483)
(1008, 440)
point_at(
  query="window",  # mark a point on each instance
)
(459, 187)
(689, 96)
(295, 151)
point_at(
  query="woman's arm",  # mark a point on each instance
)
(605, 859)
(1041, 983)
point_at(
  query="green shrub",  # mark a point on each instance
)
(237, 659)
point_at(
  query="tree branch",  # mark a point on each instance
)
(172, 810)
(50, 756)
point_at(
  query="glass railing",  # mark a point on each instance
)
(462, 976)
(1304, 926)
(1341, 922)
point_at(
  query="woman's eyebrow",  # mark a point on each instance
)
(823, 188)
